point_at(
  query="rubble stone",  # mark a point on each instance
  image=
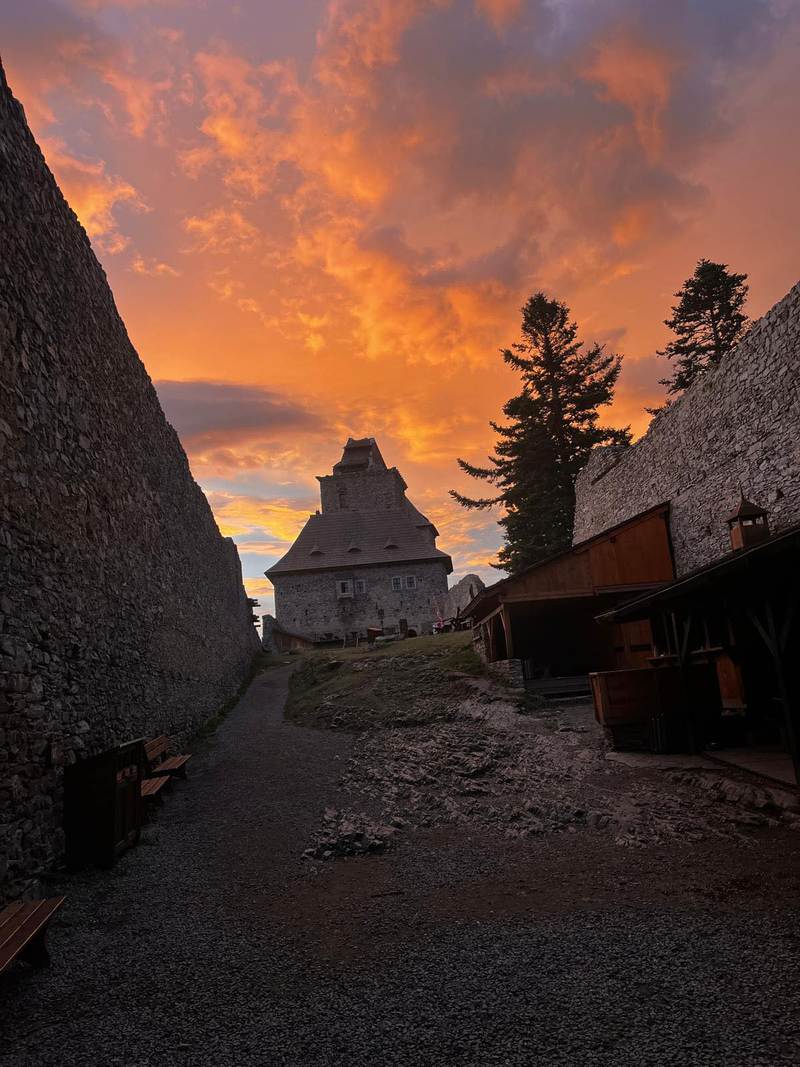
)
(736, 428)
(122, 610)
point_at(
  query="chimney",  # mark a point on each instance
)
(748, 525)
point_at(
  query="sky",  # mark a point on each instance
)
(320, 218)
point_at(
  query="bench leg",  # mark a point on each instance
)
(35, 952)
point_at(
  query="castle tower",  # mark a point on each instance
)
(367, 561)
(361, 481)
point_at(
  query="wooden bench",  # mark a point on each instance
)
(23, 925)
(159, 760)
(151, 787)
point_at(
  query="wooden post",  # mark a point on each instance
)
(492, 641)
(777, 641)
(681, 635)
(505, 617)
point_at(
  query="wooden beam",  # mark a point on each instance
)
(487, 618)
(776, 640)
(562, 594)
(505, 618)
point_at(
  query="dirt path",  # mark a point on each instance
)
(216, 942)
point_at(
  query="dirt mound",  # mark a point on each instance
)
(345, 692)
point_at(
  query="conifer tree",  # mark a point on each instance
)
(552, 426)
(707, 322)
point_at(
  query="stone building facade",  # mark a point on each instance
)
(367, 560)
(122, 610)
(737, 429)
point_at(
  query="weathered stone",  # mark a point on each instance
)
(122, 610)
(736, 427)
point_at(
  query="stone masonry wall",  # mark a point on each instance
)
(122, 611)
(369, 490)
(738, 424)
(308, 604)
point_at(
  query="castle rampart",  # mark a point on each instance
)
(737, 427)
(122, 610)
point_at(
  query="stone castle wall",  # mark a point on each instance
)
(122, 611)
(738, 425)
(307, 603)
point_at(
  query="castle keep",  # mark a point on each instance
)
(367, 560)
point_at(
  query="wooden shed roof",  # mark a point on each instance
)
(733, 566)
(593, 566)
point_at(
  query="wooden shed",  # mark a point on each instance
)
(545, 615)
(728, 634)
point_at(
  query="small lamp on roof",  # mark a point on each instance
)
(748, 525)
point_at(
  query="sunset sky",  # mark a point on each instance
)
(320, 218)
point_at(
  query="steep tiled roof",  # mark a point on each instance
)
(345, 539)
(359, 454)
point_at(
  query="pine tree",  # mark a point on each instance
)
(708, 322)
(552, 427)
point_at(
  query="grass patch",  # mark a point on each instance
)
(403, 683)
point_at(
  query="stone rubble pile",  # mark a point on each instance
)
(347, 833)
(523, 776)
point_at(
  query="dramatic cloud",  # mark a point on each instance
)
(225, 427)
(322, 218)
(245, 516)
(94, 195)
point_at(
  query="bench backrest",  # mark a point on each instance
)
(157, 748)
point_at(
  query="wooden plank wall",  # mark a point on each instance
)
(636, 554)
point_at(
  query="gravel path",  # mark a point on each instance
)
(216, 942)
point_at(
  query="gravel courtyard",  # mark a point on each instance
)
(220, 941)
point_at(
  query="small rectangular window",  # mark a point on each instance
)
(411, 582)
(397, 584)
(344, 588)
(361, 585)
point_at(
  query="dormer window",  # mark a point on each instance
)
(353, 547)
(315, 551)
(390, 542)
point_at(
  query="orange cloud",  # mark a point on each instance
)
(139, 96)
(501, 13)
(639, 76)
(242, 516)
(93, 194)
(348, 213)
(222, 230)
(153, 268)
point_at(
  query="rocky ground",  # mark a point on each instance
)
(475, 755)
(526, 901)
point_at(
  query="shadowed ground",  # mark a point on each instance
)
(216, 942)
